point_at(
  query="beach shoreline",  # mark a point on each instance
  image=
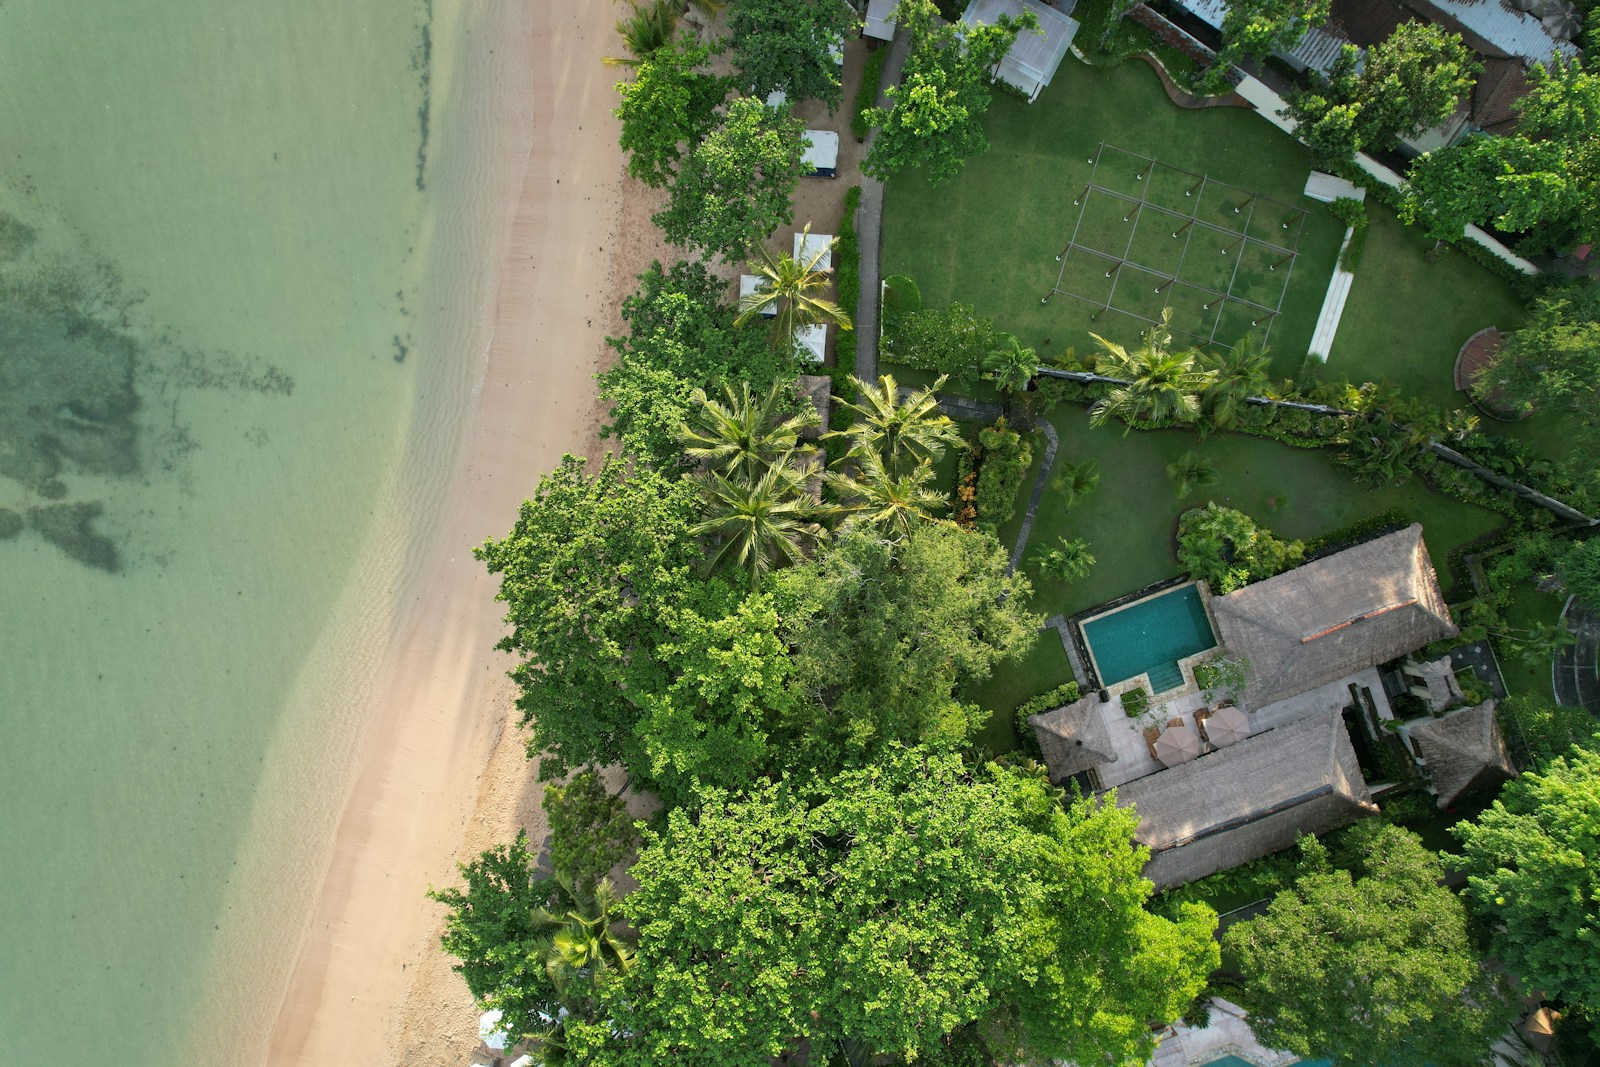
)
(440, 772)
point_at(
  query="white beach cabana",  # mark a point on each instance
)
(807, 245)
(813, 342)
(821, 156)
(490, 1033)
(880, 20)
(1034, 58)
(749, 285)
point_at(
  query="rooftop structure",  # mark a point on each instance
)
(1461, 752)
(1074, 738)
(1327, 619)
(1247, 800)
(1034, 58)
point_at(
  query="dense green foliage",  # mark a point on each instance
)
(1533, 869)
(1164, 386)
(1226, 548)
(953, 341)
(1543, 180)
(681, 337)
(883, 633)
(1259, 28)
(1542, 729)
(735, 186)
(1580, 572)
(1003, 457)
(1068, 561)
(878, 912)
(867, 92)
(587, 575)
(788, 45)
(668, 108)
(1552, 363)
(935, 118)
(1374, 966)
(1408, 83)
(590, 830)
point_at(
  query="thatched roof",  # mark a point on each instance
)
(1462, 751)
(1248, 800)
(1320, 622)
(1073, 737)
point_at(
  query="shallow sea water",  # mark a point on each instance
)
(242, 252)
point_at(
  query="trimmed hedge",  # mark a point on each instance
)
(867, 94)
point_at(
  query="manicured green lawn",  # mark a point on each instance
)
(1529, 608)
(1130, 520)
(1407, 318)
(990, 236)
(1043, 669)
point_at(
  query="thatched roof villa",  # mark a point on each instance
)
(1329, 618)
(1461, 752)
(1248, 800)
(1074, 737)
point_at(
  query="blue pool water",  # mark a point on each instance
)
(1150, 637)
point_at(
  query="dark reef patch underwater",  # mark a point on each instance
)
(81, 389)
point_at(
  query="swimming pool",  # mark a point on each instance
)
(1149, 637)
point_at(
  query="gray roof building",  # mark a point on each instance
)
(1248, 800)
(1073, 737)
(1329, 618)
(1462, 751)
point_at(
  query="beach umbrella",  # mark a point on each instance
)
(1540, 1028)
(1177, 744)
(1226, 726)
(489, 1031)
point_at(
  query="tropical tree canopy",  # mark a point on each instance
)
(889, 502)
(1237, 374)
(1163, 387)
(1533, 870)
(789, 45)
(585, 574)
(749, 433)
(735, 186)
(1259, 28)
(761, 521)
(1374, 966)
(883, 632)
(667, 109)
(1553, 361)
(935, 122)
(903, 432)
(681, 338)
(877, 912)
(792, 290)
(1011, 365)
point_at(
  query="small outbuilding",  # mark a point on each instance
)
(821, 156)
(1461, 752)
(1034, 59)
(750, 285)
(1073, 738)
(807, 245)
(880, 20)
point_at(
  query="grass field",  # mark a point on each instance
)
(990, 236)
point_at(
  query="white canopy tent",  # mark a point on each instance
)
(749, 285)
(1033, 59)
(880, 20)
(813, 342)
(807, 245)
(822, 154)
(490, 1033)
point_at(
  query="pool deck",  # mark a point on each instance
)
(1227, 1035)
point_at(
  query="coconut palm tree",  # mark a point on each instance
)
(904, 433)
(762, 520)
(889, 502)
(1163, 386)
(1189, 471)
(1010, 365)
(577, 947)
(745, 435)
(644, 30)
(792, 288)
(1238, 374)
(1075, 481)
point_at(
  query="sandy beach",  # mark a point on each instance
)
(441, 773)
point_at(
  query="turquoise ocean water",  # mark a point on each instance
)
(242, 267)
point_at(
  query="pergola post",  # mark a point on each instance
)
(1115, 267)
(1195, 188)
(1282, 261)
(1185, 226)
(1086, 187)
(1248, 201)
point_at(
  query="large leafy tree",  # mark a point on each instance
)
(1374, 965)
(879, 912)
(681, 338)
(590, 829)
(789, 45)
(668, 108)
(935, 121)
(735, 186)
(1259, 28)
(1164, 386)
(1542, 180)
(1553, 361)
(585, 574)
(1411, 81)
(883, 632)
(1533, 869)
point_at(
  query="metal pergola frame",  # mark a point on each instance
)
(1186, 223)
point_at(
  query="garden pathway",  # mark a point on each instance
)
(869, 229)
